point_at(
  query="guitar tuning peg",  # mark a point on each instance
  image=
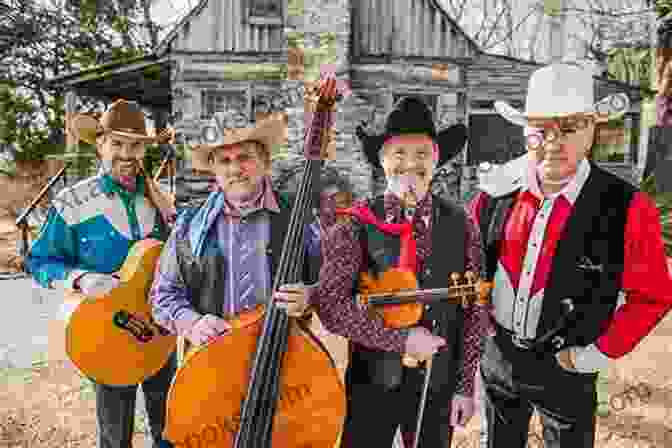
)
(470, 276)
(455, 277)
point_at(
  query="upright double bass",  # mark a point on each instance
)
(269, 382)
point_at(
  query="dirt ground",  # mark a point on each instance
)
(50, 406)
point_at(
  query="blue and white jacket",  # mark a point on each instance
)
(91, 227)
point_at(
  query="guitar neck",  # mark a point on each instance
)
(454, 293)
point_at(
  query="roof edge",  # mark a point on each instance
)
(164, 46)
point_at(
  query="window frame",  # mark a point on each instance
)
(278, 19)
(242, 91)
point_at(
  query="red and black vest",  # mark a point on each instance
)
(594, 231)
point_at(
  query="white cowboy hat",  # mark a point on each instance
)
(270, 132)
(563, 90)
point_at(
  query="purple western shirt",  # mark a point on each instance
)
(235, 233)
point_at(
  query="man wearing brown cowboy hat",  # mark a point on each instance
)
(382, 394)
(578, 265)
(87, 237)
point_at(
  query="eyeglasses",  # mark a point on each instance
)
(548, 131)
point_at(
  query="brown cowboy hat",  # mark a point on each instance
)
(123, 118)
(270, 132)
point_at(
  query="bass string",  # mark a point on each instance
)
(273, 339)
(280, 333)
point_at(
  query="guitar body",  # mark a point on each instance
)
(206, 395)
(113, 339)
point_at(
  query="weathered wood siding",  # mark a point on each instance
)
(407, 28)
(500, 78)
(221, 26)
(491, 78)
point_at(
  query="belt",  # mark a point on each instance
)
(513, 338)
(549, 342)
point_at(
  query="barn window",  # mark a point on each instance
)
(265, 12)
(223, 102)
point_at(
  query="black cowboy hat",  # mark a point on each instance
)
(412, 116)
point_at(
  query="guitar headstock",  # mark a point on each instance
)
(469, 288)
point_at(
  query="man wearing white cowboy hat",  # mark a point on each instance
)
(578, 265)
(87, 237)
(377, 239)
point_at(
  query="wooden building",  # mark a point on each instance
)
(230, 57)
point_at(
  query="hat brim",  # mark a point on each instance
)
(450, 142)
(271, 133)
(609, 108)
(86, 128)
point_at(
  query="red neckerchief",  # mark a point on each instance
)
(407, 250)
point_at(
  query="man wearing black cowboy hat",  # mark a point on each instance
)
(382, 394)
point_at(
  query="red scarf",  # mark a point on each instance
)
(407, 251)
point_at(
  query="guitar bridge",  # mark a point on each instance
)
(137, 327)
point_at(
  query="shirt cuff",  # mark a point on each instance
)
(589, 359)
(68, 284)
(186, 321)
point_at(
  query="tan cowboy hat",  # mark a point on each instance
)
(271, 132)
(563, 90)
(123, 118)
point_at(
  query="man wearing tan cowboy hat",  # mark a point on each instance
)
(87, 237)
(237, 235)
(578, 265)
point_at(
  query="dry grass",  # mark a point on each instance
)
(50, 406)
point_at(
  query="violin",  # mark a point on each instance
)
(395, 296)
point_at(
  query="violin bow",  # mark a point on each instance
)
(425, 390)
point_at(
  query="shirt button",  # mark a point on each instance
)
(83, 240)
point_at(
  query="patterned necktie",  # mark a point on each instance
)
(245, 285)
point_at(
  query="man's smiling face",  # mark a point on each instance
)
(408, 163)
